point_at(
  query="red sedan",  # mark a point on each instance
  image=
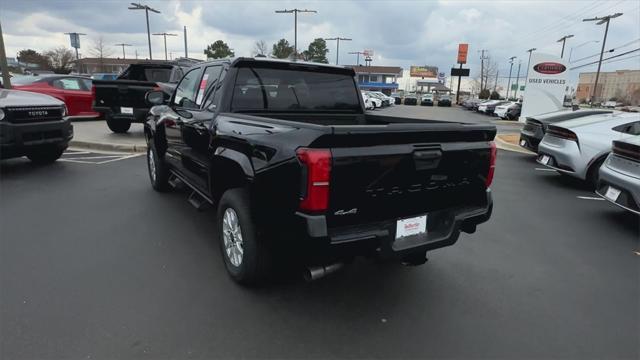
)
(75, 91)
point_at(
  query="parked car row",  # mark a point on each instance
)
(600, 147)
(376, 99)
(504, 109)
(426, 99)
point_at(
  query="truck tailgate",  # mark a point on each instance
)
(405, 170)
(116, 94)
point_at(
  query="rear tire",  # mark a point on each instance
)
(246, 256)
(118, 126)
(45, 155)
(158, 171)
(593, 174)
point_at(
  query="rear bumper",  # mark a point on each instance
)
(628, 197)
(139, 114)
(443, 229)
(564, 156)
(18, 139)
(530, 142)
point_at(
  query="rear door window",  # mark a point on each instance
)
(209, 79)
(632, 128)
(67, 84)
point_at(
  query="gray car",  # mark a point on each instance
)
(619, 180)
(579, 147)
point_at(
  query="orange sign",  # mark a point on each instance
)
(462, 53)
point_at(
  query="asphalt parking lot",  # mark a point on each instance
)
(95, 264)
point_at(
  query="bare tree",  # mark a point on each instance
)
(100, 51)
(60, 59)
(260, 48)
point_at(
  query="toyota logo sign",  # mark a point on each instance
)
(549, 68)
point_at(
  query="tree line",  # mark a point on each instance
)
(316, 51)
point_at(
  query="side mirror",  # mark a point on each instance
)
(154, 97)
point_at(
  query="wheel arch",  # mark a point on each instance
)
(229, 169)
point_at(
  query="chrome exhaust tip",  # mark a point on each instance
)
(313, 273)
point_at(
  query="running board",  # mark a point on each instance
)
(175, 182)
(197, 201)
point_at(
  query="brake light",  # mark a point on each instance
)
(562, 133)
(316, 175)
(493, 152)
(626, 150)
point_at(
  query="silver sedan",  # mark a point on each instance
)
(620, 175)
(579, 147)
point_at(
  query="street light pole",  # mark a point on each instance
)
(295, 25)
(146, 9)
(517, 81)
(4, 68)
(528, 62)
(164, 34)
(564, 40)
(337, 39)
(601, 20)
(510, 69)
(123, 45)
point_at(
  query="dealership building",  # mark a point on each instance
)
(378, 78)
(624, 85)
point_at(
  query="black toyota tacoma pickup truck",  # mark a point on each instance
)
(299, 171)
(121, 101)
(33, 125)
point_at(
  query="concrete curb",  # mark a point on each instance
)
(108, 146)
(504, 145)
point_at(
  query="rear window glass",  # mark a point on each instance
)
(147, 73)
(260, 89)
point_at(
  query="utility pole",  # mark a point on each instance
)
(337, 39)
(482, 84)
(123, 45)
(600, 21)
(6, 79)
(510, 68)
(529, 62)
(295, 25)
(495, 86)
(146, 9)
(358, 53)
(564, 40)
(164, 34)
(136, 54)
(517, 81)
(186, 55)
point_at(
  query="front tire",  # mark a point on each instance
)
(246, 256)
(118, 126)
(45, 155)
(158, 171)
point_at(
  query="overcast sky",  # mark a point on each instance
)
(400, 33)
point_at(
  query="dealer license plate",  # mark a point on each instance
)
(612, 193)
(545, 159)
(126, 110)
(411, 226)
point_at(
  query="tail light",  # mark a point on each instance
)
(562, 133)
(629, 151)
(316, 174)
(492, 163)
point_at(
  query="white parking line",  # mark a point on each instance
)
(590, 198)
(121, 158)
(95, 157)
(544, 169)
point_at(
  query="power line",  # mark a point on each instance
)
(611, 57)
(610, 50)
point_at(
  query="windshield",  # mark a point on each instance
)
(260, 89)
